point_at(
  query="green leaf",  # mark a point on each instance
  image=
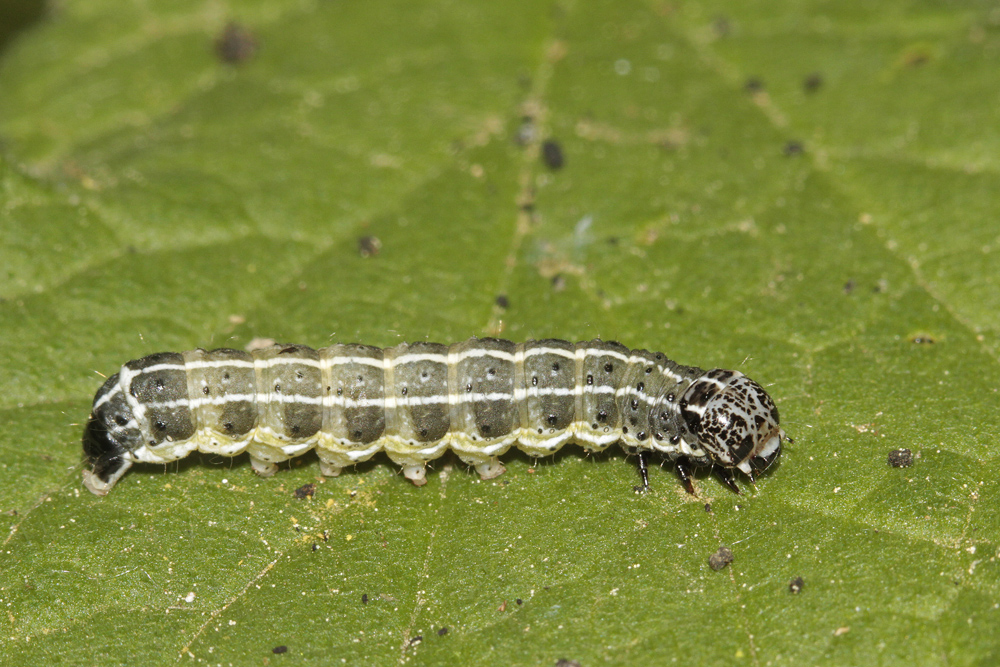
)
(805, 191)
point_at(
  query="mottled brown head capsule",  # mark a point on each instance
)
(734, 419)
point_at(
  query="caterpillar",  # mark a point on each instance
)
(415, 401)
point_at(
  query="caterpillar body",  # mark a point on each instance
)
(415, 401)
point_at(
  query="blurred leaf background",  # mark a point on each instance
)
(804, 190)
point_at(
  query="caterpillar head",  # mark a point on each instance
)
(734, 419)
(111, 433)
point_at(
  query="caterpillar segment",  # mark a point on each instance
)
(416, 401)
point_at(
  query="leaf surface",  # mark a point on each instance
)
(806, 191)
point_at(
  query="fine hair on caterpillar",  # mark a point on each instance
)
(478, 398)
